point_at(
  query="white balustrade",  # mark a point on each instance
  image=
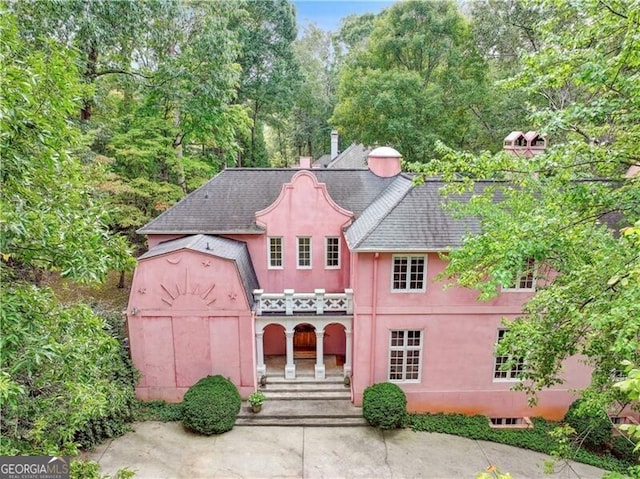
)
(289, 302)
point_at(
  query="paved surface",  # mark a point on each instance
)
(165, 450)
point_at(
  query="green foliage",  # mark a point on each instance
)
(384, 405)
(158, 411)
(66, 381)
(564, 208)
(49, 219)
(417, 79)
(592, 426)
(539, 438)
(256, 398)
(91, 470)
(211, 405)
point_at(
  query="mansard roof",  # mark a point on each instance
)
(228, 202)
(215, 246)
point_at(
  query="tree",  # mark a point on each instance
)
(268, 85)
(413, 81)
(316, 97)
(565, 209)
(61, 371)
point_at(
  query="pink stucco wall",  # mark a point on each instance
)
(188, 317)
(304, 208)
(459, 334)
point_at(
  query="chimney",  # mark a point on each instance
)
(385, 161)
(334, 144)
(305, 162)
(525, 144)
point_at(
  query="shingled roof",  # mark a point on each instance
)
(413, 221)
(390, 214)
(228, 202)
(215, 246)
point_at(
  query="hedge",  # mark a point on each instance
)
(211, 406)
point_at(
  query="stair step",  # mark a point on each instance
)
(307, 395)
(314, 387)
(299, 422)
(305, 380)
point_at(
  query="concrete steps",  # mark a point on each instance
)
(304, 402)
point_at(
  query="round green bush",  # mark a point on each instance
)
(384, 406)
(593, 428)
(211, 406)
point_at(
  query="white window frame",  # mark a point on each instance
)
(525, 277)
(298, 256)
(407, 281)
(337, 252)
(510, 375)
(271, 257)
(403, 357)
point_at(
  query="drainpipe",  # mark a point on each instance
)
(374, 307)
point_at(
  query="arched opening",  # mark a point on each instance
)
(304, 341)
(335, 345)
(275, 348)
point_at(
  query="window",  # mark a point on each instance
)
(501, 370)
(408, 273)
(304, 252)
(275, 252)
(405, 349)
(526, 280)
(332, 252)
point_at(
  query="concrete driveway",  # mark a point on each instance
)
(158, 450)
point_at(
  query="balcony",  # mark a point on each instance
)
(289, 302)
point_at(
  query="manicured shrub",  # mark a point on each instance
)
(593, 427)
(384, 406)
(211, 406)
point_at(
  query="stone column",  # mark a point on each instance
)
(261, 369)
(347, 360)
(290, 367)
(319, 369)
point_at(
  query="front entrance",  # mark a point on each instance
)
(304, 342)
(324, 342)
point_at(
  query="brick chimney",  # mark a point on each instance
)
(385, 161)
(334, 144)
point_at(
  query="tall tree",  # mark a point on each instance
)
(413, 81)
(316, 98)
(572, 209)
(269, 80)
(50, 221)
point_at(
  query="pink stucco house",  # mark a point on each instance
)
(318, 262)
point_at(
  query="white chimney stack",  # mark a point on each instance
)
(334, 144)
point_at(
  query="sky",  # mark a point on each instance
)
(327, 13)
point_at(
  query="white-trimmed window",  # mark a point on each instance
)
(500, 369)
(526, 278)
(275, 252)
(405, 352)
(409, 273)
(304, 252)
(332, 252)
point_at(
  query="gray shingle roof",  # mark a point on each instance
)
(228, 202)
(353, 157)
(212, 245)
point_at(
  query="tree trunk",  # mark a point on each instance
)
(121, 283)
(87, 103)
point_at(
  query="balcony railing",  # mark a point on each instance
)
(289, 302)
